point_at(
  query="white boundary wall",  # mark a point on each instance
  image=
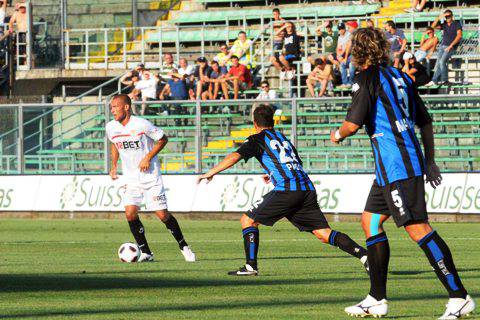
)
(346, 193)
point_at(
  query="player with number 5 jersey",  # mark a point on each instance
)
(387, 103)
(293, 196)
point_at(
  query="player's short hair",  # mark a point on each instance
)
(263, 116)
(123, 98)
(370, 47)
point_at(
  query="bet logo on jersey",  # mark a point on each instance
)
(128, 145)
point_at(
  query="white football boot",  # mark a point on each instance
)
(458, 308)
(145, 257)
(370, 307)
(188, 254)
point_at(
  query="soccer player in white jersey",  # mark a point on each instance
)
(136, 141)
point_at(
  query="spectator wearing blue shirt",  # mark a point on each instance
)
(452, 34)
(176, 88)
(397, 41)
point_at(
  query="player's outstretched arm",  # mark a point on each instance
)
(115, 155)
(145, 163)
(433, 172)
(226, 163)
(346, 130)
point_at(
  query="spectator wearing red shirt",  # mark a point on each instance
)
(238, 76)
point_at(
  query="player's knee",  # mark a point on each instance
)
(163, 215)
(246, 222)
(131, 215)
(322, 234)
(417, 231)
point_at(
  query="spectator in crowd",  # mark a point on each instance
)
(452, 34)
(148, 89)
(202, 78)
(19, 19)
(361, 2)
(417, 6)
(265, 92)
(415, 70)
(185, 69)
(223, 58)
(167, 66)
(175, 89)
(291, 52)
(321, 77)
(278, 23)
(242, 48)
(215, 80)
(347, 68)
(3, 11)
(129, 80)
(327, 41)
(238, 76)
(397, 41)
(140, 69)
(428, 45)
(370, 24)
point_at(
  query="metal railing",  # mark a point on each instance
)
(201, 133)
(122, 48)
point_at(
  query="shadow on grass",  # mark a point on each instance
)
(228, 306)
(415, 272)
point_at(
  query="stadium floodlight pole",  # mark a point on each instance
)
(198, 137)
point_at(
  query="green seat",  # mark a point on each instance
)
(294, 12)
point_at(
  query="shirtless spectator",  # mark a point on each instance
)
(19, 19)
(428, 45)
(321, 76)
(278, 23)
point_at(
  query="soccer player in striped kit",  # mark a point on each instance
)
(387, 102)
(293, 197)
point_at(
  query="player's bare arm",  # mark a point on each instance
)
(115, 155)
(145, 163)
(226, 163)
(346, 130)
(433, 172)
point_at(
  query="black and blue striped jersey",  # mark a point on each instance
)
(279, 159)
(388, 104)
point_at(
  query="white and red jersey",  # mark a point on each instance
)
(134, 141)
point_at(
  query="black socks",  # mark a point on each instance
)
(136, 227)
(174, 228)
(378, 251)
(251, 238)
(345, 243)
(441, 260)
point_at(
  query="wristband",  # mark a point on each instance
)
(338, 136)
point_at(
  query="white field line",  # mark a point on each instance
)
(207, 241)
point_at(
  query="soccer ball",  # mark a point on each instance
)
(129, 252)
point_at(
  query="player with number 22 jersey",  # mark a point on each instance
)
(293, 196)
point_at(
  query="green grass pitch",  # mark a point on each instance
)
(69, 269)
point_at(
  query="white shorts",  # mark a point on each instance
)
(153, 194)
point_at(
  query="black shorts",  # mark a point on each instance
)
(299, 207)
(404, 200)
